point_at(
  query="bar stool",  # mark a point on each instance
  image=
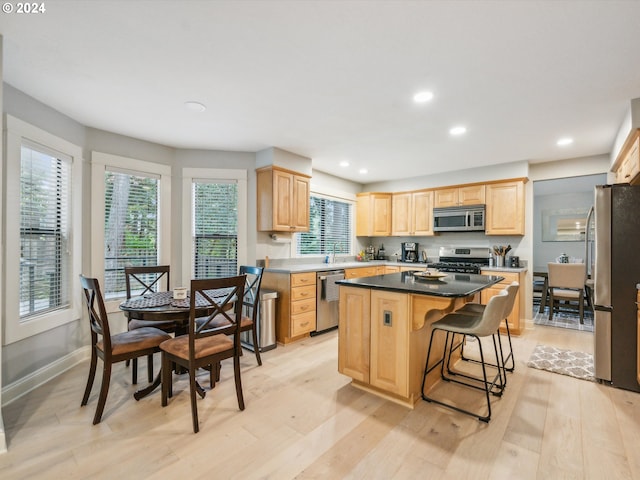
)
(476, 326)
(478, 309)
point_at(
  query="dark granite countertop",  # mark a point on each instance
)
(453, 285)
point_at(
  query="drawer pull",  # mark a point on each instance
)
(304, 307)
(304, 294)
(304, 324)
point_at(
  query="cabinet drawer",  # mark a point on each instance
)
(303, 306)
(360, 272)
(301, 279)
(303, 323)
(303, 293)
(509, 277)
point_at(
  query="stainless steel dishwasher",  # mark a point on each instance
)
(327, 300)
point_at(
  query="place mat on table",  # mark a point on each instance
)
(156, 300)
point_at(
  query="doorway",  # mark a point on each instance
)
(560, 209)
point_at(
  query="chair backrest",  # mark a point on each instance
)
(493, 315)
(512, 291)
(216, 295)
(567, 275)
(98, 318)
(251, 289)
(145, 279)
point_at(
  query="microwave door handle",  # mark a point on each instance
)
(468, 219)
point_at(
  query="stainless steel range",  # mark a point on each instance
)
(461, 259)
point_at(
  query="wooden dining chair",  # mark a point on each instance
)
(140, 281)
(250, 309)
(566, 282)
(112, 348)
(204, 346)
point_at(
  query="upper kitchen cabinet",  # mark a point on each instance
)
(456, 196)
(627, 165)
(505, 208)
(283, 200)
(373, 214)
(412, 213)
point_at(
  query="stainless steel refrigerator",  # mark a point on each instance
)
(617, 272)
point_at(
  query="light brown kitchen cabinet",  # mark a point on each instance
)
(505, 208)
(628, 162)
(373, 214)
(282, 200)
(373, 346)
(359, 272)
(296, 311)
(457, 196)
(412, 213)
(516, 318)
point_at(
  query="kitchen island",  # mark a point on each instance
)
(385, 326)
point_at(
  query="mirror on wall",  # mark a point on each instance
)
(564, 225)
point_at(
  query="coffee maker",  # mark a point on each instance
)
(409, 252)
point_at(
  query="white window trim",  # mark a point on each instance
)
(100, 162)
(14, 330)
(188, 176)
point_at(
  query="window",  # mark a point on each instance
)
(215, 232)
(130, 220)
(329, 228)
(43, 235)
(215, 202)
(44, 230)
(130, 226)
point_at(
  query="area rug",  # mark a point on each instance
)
(564, 362)
(563, 319)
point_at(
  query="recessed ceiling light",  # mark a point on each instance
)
(422, 97)
(195, 106)
(364, 171)
(563, 142)
(344, 164)
(459, 130)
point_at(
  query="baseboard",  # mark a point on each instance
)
(26, 384)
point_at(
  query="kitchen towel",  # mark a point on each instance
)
(331, 289)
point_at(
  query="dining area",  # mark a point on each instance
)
(562, 287)
(192, 330)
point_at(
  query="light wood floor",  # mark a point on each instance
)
(303, 420)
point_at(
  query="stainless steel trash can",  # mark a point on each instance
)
(266, 323)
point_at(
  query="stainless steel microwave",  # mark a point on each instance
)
(459, 219)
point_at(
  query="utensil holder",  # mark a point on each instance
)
(500, 261)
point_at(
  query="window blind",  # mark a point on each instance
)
(131, 226)
(215, 228)
(329, 228)
(45, 261)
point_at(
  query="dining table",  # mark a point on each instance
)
(162, 307)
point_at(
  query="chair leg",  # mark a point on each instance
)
(192, 394)
(581, 307)
(104, 390)
(487, 387)
(134, 371)
(510, 356)
(552, 304)
(150, 367)
(166, 378)
(236, 371)
(256, 349)
(92, 376)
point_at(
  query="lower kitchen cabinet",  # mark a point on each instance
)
(359, 272)
(373, 338)
(296, 312)
(515, 319)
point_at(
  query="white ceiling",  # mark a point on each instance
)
(334, 80)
